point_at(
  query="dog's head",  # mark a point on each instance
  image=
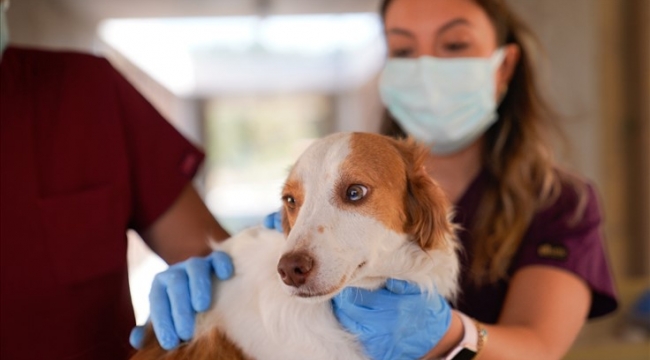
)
(359, 208)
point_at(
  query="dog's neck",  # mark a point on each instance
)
(430, 269)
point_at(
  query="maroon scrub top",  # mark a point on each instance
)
(84, 158)
(554, 238)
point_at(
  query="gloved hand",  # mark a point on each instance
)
(395, 322)
(273, 221)
(177, 294)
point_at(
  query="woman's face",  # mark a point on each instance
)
(447, 29)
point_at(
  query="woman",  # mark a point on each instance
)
(460, 78)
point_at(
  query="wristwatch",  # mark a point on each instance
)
(474, 338)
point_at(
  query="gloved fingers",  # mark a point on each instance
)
(370, 299)
(435, 301)
(437, 304)
(401, 287)
(199, 273)
(137, 336)
(393, 322)
(277, 221)
(349, 317)
(222, 265)
(443, 318)
(180, 302)
(161, 317)
(269, 221)
(273, 221)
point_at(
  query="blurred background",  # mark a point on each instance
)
(254, 81)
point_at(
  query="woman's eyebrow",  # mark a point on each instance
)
(445, 27)
(399, 31)
(452, 23)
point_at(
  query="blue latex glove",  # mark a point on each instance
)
(177, 294)
(273, 221)
(640, 311)
(395, 322)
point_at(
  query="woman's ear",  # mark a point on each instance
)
(507, 68)
(427, 207)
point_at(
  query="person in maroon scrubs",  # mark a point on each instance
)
(84, 157)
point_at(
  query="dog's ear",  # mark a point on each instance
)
(427, 207)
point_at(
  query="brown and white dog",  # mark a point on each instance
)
(358, 208)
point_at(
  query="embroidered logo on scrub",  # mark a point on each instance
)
(189, 164)
(552, 251)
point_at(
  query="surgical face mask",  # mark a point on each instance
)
(4, 30)
(446, 103)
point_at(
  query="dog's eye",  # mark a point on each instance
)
(356, 192)
(289, 201)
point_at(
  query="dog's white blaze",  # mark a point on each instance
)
(328, 250)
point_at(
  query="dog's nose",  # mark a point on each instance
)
(294, 268)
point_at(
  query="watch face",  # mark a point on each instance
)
(465, 354)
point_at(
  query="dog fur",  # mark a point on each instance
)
(358, 208)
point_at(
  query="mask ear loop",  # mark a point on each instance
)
(496, 61)
(498, 56)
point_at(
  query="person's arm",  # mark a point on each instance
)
(545, 309)
(180, 236)
(184, 229)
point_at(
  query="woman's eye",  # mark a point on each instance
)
(401, 53)
(455, 46)
(356, 192)
(289, 201)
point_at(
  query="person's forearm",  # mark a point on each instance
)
(503, 343)
(185, 229)
(517, 342)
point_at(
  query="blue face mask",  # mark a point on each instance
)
(446, 103)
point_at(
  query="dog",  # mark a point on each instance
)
(358, 208)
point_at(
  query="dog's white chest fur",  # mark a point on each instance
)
(257, 313)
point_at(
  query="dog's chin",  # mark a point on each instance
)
(308, 296)
(369, 282)
(315, 294)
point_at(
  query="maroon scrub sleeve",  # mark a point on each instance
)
(162, 161)
(560, 239)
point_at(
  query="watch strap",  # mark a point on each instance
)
(468, 346)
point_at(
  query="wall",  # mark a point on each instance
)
(567, 31)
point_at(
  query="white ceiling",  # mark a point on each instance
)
(102, 9)
(74, 24)
(207, 56)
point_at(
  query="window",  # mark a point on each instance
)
(251, 142)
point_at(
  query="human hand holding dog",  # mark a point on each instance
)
(394, 322)
(184, 289)
(177, 294)
(273, 221)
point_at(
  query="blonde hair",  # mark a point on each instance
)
(522, 178)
